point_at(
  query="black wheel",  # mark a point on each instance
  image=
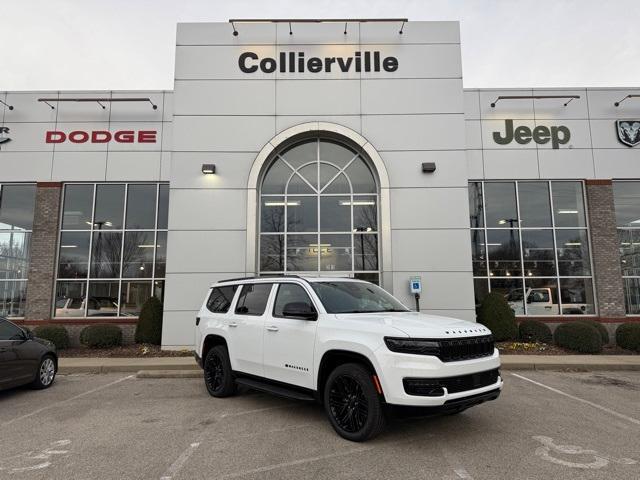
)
(46, 373)
(217, 373)
(352, 403)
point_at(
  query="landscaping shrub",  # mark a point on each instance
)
(149, 328)
(497, 316)
(628, 336)
(55, 334)
(604, 333)
(101, 336)
(578, 336)
(534, 331)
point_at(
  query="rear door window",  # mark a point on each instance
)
(220, 299)
(253, 298)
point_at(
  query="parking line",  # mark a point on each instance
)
(257, 410)
(89, 392)
(587, 402)
(295, 462)
(176, 466)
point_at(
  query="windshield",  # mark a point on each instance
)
(355, 297)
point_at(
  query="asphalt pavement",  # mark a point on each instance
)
(545, 425)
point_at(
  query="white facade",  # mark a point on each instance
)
(219, 114)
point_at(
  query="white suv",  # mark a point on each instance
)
(346, 343)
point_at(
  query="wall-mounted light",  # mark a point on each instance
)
(10, 107)
(428, 167)
(208, 168)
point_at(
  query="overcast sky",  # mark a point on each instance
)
(129, 44)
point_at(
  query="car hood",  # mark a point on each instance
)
(45, 343)
(421, 325)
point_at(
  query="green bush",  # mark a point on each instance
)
(497, 316)
(604, 333)
(628, 336)
(149, 328)
(578, 336)
(101, 336)
(55, 334)
(534, 331)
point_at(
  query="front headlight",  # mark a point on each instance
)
(413, 345)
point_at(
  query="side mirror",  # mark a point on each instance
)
(299, 310)
(28, 334)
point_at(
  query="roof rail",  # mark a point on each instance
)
(275, 275)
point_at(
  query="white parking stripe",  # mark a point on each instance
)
(257, 410)
(180, 461)
(295, 462)
(52, 405)
(587, 402)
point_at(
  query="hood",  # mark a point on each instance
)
(44, 342)
(421, 325)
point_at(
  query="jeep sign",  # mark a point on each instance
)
(540, 134)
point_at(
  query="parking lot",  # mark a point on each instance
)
(115, 426)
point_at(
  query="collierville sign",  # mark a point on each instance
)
(295, 62)
(540, 135)
(102, 136)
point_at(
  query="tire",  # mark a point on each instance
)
(352, 403)
(218, 376)
(46, 373)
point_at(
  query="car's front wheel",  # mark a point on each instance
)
(46, 373)
(218, 376)
(352, 403)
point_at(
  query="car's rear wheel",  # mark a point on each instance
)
(46, 373)
(218, 376)
(352, 403)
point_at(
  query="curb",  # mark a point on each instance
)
(169, 374)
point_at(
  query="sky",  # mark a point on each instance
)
(130, 44)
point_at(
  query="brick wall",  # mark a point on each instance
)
(43, 251)
(605, 249)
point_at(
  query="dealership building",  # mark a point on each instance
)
(338, 148)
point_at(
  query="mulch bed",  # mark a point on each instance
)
(523, 348)
(126, 351)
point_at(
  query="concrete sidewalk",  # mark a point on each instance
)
(509, 362)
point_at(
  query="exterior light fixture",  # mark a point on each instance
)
(428, 167)
(208, 168)
(569, 98)
(616, 104)
(10, 107)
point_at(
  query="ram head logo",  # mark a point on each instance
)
(4, 135)
(628, 132)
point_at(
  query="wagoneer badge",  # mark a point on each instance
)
(628, 132)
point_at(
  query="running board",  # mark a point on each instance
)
(275, 389)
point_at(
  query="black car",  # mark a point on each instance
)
(25, 359)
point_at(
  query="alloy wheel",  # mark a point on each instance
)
(47, 372)
(215, 372)
(348, 404)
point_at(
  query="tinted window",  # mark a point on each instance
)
(141, 206)
(109, 207)
(16, 207)
(355, 297)
(500, 202)
(220, 299)
(78, 203)
(289, 293)
(9, 331)
(253, 299)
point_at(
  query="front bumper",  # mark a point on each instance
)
(395, 367)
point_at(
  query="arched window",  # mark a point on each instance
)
(319, 212)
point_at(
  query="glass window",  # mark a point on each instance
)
(568, 204)
(109, 207)
(73, 261)
(253, 299)
(626, 196)
(17, 203)
(535, 207)
(536, 247)
(16, 207)
(220, 299)
(355, 297)
(328, 195)
(78, 206)
(141, 206)
(9, 331)
(292, 295)
(500, 202)
(108, 249)
(632, 295)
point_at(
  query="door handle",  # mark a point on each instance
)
(233, 325)
(273, 328)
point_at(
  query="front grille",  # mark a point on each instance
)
(433, 387)
(456, 349)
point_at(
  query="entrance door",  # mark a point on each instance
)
(289, 339)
